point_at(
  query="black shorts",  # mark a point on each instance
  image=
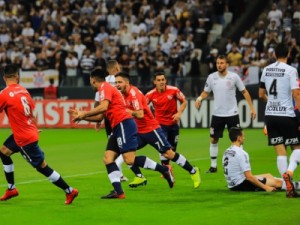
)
(218, 123)
(248, 186)
(282, 130)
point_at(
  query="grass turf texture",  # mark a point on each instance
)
(77, 155)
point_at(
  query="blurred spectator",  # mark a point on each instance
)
(27, 31)
(235, 57)
(124, 62)
(211, 60)
(275, 14)
(195, 74)
(144, 69)
(28, 59)
(87, 64)
(50, 92)
(174, 64)
(71, 63)
(99, 60)
(40, 63)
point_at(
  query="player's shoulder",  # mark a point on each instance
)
(151, 92)
(171, 88)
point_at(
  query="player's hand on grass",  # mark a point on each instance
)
(270, 189)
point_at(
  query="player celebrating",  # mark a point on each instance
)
(123, 139)
(223, 84)
(164, 99)
(149, 131)
(18, 106)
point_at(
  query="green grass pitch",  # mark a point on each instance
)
(77, 155)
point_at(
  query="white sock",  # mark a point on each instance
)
(162, 158)
(282, 164)
(213, 150)
(119, 161)
(294, 160)
(150, 164)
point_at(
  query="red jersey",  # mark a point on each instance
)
(165, 103)
(50, 92)
(116, 111)
(135, 100)
(18, 105)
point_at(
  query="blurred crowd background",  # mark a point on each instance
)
(182, 38)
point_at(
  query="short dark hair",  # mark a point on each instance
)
(281, 51)
(224, 57)
(159, 73)
(10, 70)
(234, 133)
(99, 74)
(123, 74)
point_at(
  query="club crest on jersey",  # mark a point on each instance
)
(11, 94)
(170, 97)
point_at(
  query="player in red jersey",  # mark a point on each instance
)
(123, 139)
(164, 99)
(18, 106)
(149, 131)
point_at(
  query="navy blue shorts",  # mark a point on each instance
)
(124, 137)
(31, 152)
(11, 144)
(155, 138)
(172, 134)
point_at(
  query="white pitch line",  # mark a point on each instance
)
(78, 175)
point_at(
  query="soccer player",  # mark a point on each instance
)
(123, 139)
(18, 106)
(223, 84)
(164, 99)
(149, 130)
(113, 68)
(237, 168)
(278, 86)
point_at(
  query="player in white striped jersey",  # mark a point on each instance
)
(278, 86)
(223, 84)
(237, 168)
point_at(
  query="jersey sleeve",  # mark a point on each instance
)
(207, 87)
(244, 162)
(239, 83)
(179, 95)
(97, 98)
(105, 93)
(148, 98)
(294, 79)
(2, 101)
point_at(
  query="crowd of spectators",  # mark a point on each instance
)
(281, 23)
(75, 36)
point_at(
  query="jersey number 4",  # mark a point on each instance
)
(273, 88)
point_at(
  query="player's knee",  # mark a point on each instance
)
(6, 151)
(169, 154)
